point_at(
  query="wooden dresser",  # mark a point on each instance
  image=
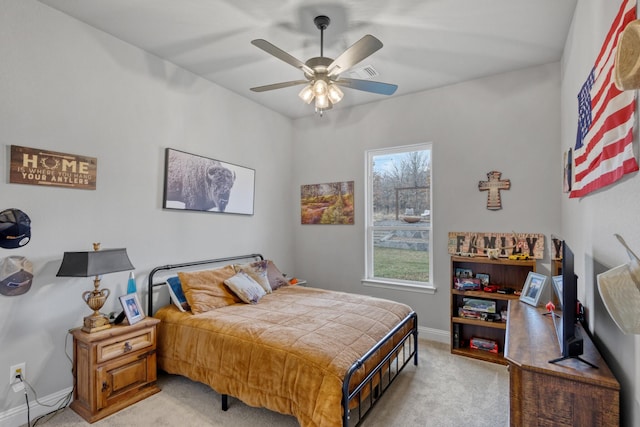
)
(113, 368)
(568, 393)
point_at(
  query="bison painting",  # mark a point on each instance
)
(198, 182)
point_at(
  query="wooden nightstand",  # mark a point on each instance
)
(113, 368)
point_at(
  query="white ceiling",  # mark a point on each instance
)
(427, 43)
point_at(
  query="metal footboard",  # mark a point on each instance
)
(379, 378)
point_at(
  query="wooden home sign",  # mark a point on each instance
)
(471, 243)
(43, 167)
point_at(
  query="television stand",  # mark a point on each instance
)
(573, 348)
(560, 359)
(570, 393)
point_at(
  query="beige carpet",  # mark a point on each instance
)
(443, 390)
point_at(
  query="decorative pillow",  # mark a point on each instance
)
(205, 290)
(177, 296)
(257, 270)
(247, 289)
(276, 278)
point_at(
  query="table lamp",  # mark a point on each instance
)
(95, 263)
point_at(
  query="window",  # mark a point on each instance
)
(398, 217)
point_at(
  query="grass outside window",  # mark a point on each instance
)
(401, 264)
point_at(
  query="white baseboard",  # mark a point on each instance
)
(431, 334)
(17, 416)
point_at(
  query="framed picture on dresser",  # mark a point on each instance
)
(533, 288)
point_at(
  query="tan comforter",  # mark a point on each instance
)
(288, 353)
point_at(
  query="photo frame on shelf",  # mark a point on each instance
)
(533, 288)
(132, 308)
(557, 289)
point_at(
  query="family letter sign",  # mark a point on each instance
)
(506, 244)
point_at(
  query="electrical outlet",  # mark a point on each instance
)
(14, 372)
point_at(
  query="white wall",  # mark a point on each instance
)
(67, 87)
(588, 224)
(508, 122)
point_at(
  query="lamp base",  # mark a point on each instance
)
(95, 323)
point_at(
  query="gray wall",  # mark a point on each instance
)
(67, 87)
(588, 224)
(508, 122)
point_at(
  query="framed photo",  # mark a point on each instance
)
(132, 308)
(197, 183)
(557, 288)
(464, 273)
(484, 279)
(329, 203)
(533, 288)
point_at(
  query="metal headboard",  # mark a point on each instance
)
(151, 283)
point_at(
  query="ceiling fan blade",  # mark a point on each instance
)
(354, 54)
(368, 86)
(282, 55)
(279, 85)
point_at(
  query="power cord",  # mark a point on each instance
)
(19, 379)
(61, 404)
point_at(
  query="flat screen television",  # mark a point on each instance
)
(569, 335)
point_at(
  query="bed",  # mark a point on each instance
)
(325, 357)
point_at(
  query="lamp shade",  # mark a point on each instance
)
(94, 263)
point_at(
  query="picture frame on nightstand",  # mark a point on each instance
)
(132, 308)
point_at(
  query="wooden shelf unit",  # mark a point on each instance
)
(502, 272)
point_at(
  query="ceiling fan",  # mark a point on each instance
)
(322, 74)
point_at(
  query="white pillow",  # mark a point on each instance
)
(247, 289)
(257, 271)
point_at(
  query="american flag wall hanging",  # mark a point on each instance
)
(603, 152)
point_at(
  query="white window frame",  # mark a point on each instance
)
(395, 284)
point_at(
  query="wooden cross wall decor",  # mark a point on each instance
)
(493, 185)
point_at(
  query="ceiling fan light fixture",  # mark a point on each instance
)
(335, 94)
(320, 88)
(322, 73)
(322, 102)
(306, 94)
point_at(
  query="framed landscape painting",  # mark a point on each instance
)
(330, 203)
(199, 183)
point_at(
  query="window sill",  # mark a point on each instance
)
(397, 286)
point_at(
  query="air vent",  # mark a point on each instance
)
(365, 72)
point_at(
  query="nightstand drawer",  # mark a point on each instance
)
(110, 349)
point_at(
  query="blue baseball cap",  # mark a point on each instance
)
(15, 229)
